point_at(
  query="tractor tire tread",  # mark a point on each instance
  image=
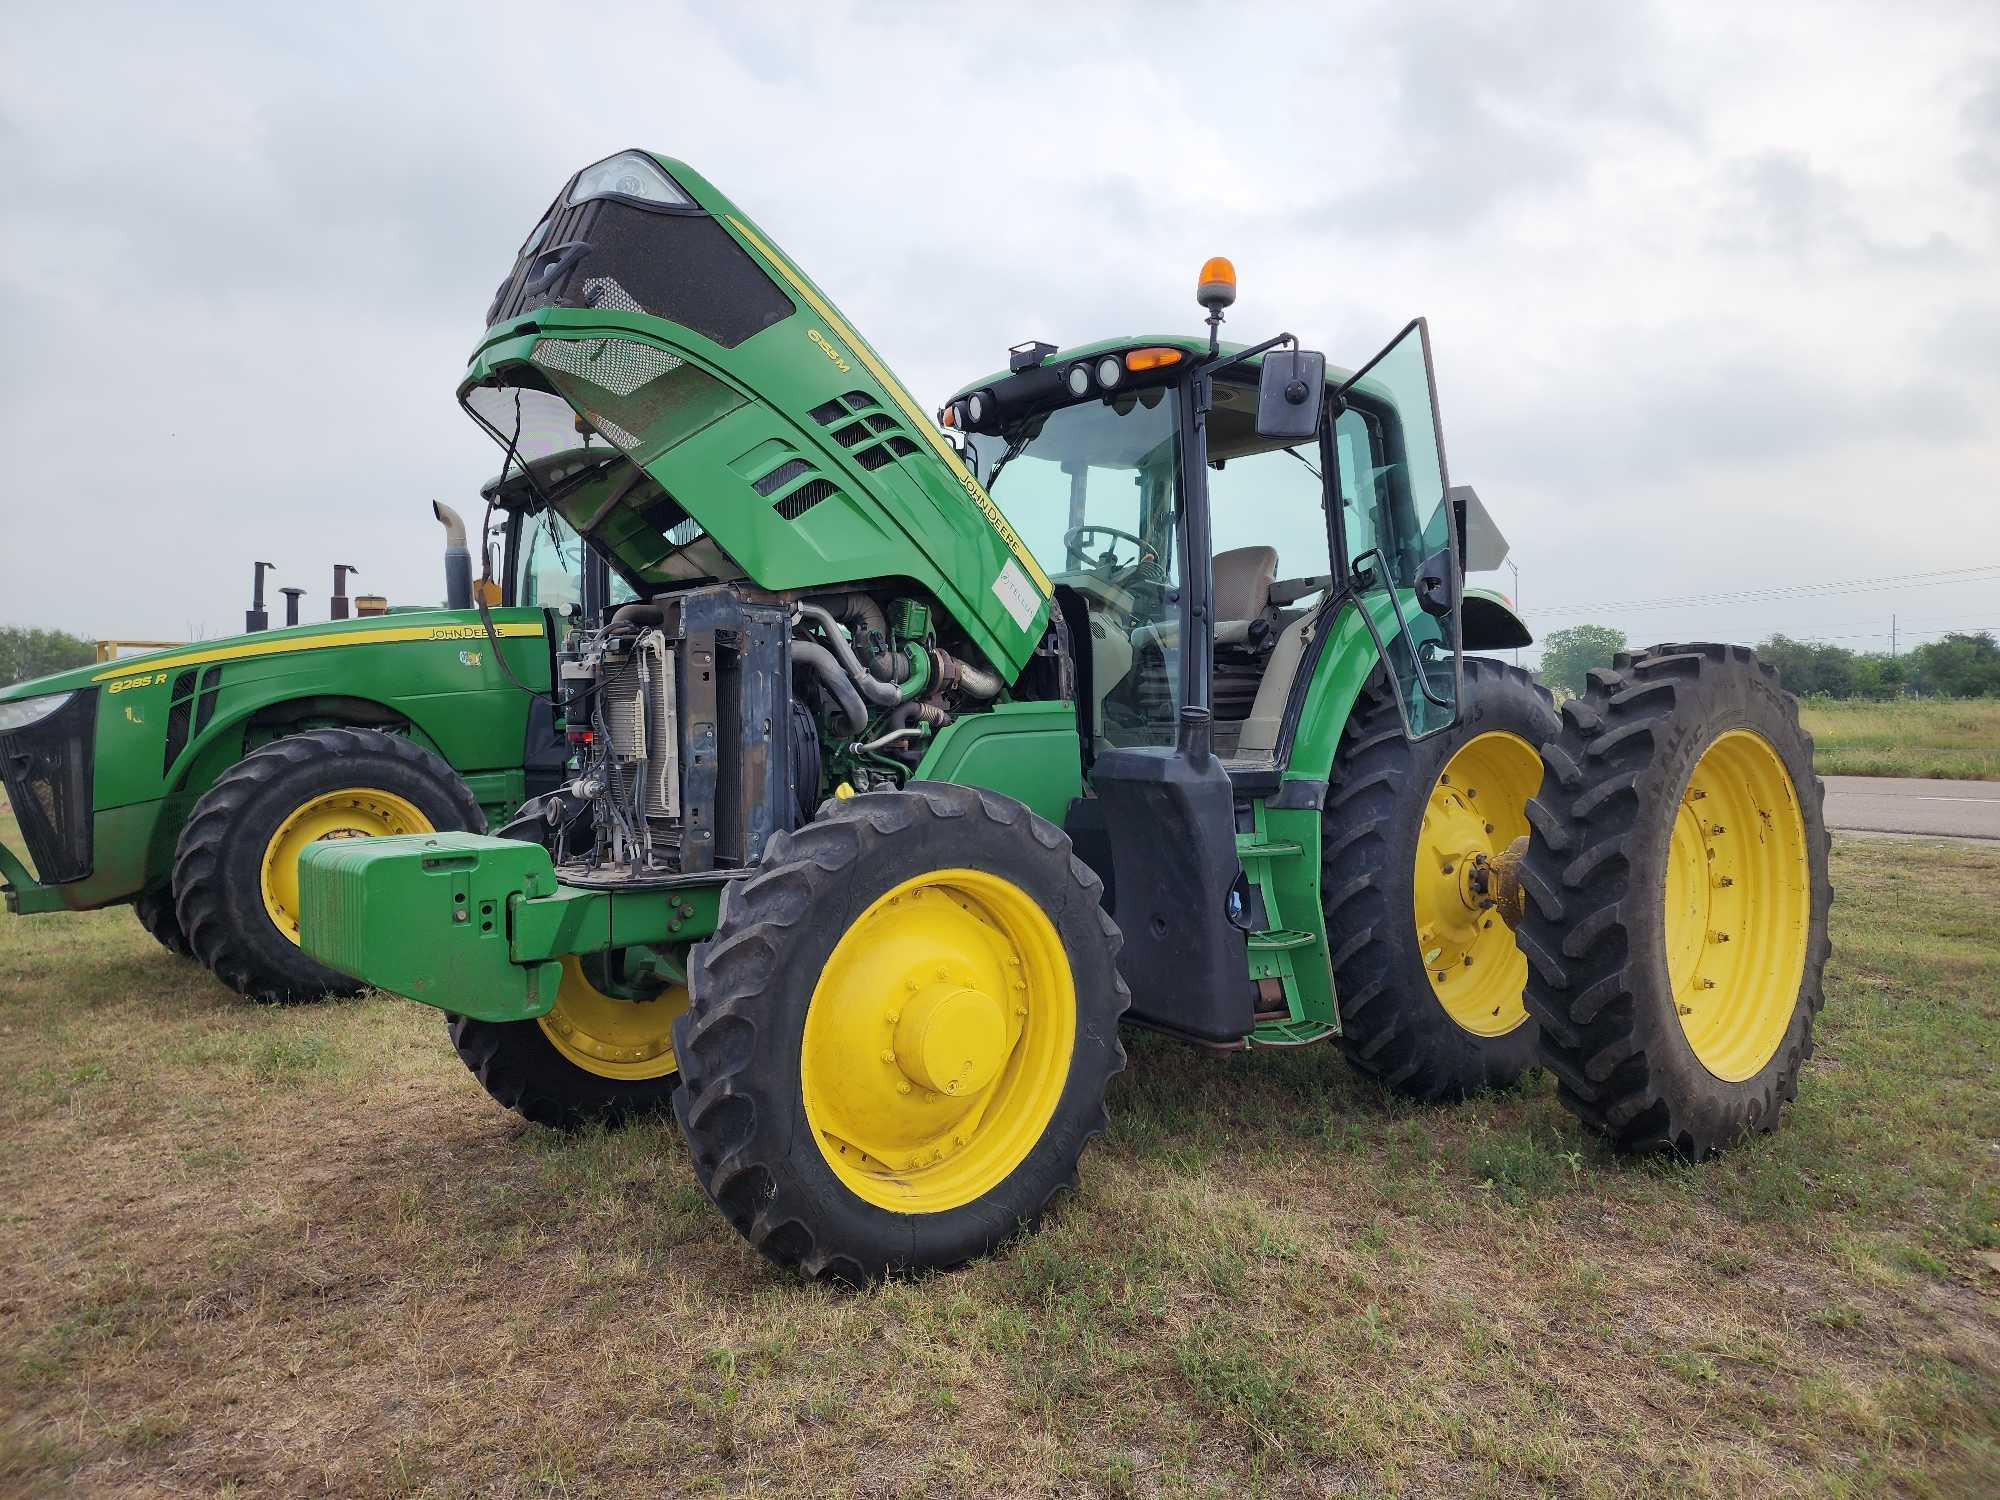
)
(214, 918)
(725, 1106)
(1591, 992)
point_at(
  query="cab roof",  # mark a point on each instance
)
(1193, 345)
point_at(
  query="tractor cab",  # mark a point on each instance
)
(1235, 539)
(1116, 460)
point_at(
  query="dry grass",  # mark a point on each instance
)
(1909, 737)
(276, 1252)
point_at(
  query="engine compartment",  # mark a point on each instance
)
(706, 720)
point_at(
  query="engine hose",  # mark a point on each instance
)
(962, 674)
(874, 689)
(917, 663)
(912, 714)
(853, 712)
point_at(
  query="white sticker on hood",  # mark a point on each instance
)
(1014, 591)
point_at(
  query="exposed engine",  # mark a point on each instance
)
(709, 719)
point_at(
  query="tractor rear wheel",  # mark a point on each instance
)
(900, 1034)
(155, 911)
(1675, 900)
(1428, 977)
(236, 868)
(604, 1053)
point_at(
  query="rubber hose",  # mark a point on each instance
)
(874, 689)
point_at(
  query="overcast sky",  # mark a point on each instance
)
(1713, 289)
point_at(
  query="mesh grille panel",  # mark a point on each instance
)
(602, 291)
(781, 476)
(804, 498)
(615, 365)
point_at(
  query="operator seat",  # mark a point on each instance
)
(1242, 591)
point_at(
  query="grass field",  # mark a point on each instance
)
(1914, 737)
(275, 1252)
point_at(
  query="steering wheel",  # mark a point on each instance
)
(1146, 565)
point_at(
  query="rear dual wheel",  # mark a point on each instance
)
(900, 1033)
(1676, 900)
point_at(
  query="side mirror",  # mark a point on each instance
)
(1437, 585)
(1289, 391)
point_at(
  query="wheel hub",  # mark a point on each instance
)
(951, 1039)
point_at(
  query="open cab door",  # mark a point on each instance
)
(1400, 537)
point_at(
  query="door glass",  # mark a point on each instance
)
(1092, 489)
(1393, 490)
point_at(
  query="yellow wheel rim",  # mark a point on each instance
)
(351, 813)
(1478, 805)
(611, 1036)
(1738, 905)
(938, 1041)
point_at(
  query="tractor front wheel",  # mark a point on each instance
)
(236, 868)
(604, 1052)
(155, 911)
(1428, 977)
(1675, 900)
(900, 1033)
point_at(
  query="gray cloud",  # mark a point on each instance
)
(1701, 302)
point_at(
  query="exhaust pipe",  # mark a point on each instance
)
(292, 597)
(337, 606)
(255, 618)
(457, 558)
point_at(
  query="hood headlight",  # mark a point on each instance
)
(630, 174)
(25, 711)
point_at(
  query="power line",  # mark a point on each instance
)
(1985, 573)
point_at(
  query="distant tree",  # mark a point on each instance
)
(1877, 674)
(1569, 653)
(1811, 666)
(32, 653)
(1957, 666)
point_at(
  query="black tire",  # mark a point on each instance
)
(517, 1063)
(1394, 1028)
(155, 911)
(1594, 925)
(218, 862)
(740, 1042)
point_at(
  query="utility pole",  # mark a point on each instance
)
(1892, 636)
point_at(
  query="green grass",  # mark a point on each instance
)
(258, 1251)
(1910, 737)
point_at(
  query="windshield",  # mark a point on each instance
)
(1093, 490)
(548, 569)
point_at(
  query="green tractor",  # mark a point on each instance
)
(186, 781)
(890, 808)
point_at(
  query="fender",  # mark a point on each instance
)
(1491, 623)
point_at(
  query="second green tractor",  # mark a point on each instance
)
(1133, 690)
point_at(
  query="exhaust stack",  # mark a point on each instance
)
(292, 597)
(337, 606)
(256, 617)
(457, 558)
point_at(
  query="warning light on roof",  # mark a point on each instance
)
(1217, 289)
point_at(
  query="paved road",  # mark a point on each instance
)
(1895, 804)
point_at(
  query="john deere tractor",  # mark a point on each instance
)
(892, 806)
(186, 781)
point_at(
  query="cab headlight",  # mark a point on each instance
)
(25, 711)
